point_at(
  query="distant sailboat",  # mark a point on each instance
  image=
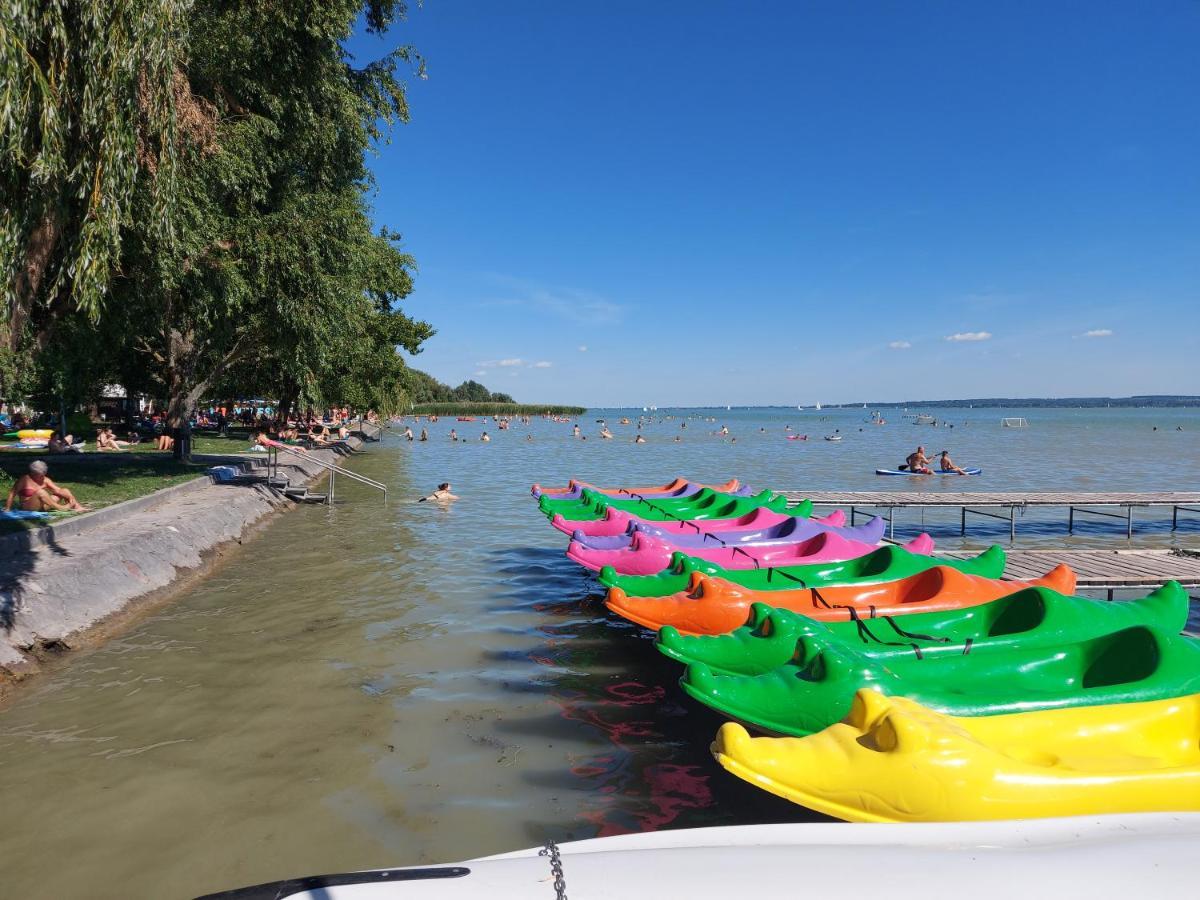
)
(818, 406)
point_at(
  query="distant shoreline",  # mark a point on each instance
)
(1147, 401)
(1150, 401)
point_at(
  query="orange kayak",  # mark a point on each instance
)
(678, 484)
(715, 606)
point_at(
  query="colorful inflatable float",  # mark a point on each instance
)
(814, 689)
(790, 530)
(886, 563)
(648, 556)
(618, 521)
(1030, 617)
(706, 504)
(895, 760)
(674, 488)
(717, 607)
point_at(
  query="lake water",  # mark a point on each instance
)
(384, 684)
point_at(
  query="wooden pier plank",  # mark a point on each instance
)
(994, 498)
(1104, 568)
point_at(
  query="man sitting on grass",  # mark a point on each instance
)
(37, 493)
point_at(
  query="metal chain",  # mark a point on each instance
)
(556, 869)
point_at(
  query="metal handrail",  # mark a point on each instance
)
(334, 471)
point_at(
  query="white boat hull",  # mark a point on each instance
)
(1094, 857)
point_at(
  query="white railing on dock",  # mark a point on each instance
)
(334, 471)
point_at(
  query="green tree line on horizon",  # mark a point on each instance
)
(186, 206)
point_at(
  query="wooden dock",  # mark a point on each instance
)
(1110, 570)
(1005, 505)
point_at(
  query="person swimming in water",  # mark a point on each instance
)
(639, 440)
(441, 495)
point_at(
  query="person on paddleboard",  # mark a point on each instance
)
(917, 462)
(946, 464)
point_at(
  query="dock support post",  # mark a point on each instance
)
(1174, 518)
(891, 523)
(1129, 523)
(852, 511)
(963, 528)
(1012, 524)
(1070, 520)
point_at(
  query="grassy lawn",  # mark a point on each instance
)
(233, 442)
(99, 480)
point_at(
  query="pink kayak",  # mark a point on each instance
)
(650, 556)
(617, 521)
(678, 487)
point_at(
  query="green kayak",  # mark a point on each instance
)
(706, 504)
(888, 563)
(1033, 617)
(1115, 663)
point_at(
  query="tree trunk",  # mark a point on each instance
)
(29, 279)
(185, 388)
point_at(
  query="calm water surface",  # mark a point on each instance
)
(375, 685)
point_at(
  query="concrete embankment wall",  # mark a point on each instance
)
(58, 582)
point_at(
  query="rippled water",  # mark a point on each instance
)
(392, 684)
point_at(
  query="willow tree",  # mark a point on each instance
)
(87, 93)
(274, 263)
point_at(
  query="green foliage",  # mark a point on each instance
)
(495, 409)
(86, 110)
(185, 209)
(277, 284)
(423, 388)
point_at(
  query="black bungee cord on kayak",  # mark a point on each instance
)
(757, 564)
(772, 571)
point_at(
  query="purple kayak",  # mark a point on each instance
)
(790, 531)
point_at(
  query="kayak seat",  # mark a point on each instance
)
(925, 586)
(878, 562)
(1127, 656)
(1017, 613)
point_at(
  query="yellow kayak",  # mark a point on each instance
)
(894, 760)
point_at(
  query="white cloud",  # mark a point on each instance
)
(542, 364)
(572, 304)
(970, 336)
(900, 345)
(583, 348)
(480, 373)
(502, 363)
(1099, 332)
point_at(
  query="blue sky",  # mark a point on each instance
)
(666, 203)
